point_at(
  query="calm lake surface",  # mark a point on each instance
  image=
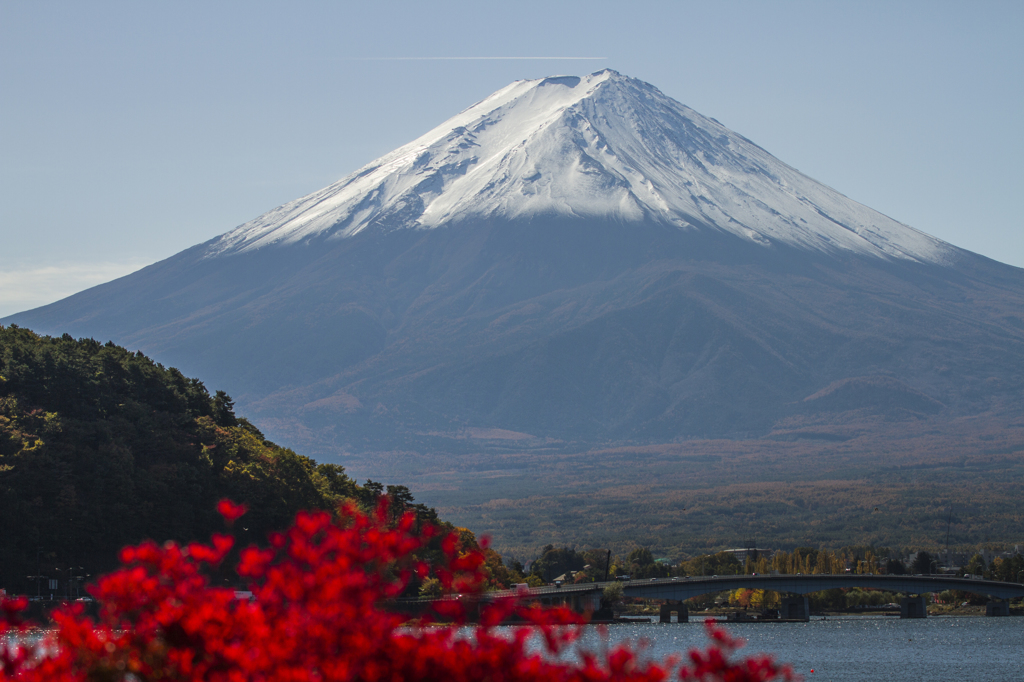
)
(861, 647)
(858, 648)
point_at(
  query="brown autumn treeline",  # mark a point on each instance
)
(816, 562)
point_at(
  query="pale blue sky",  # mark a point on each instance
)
(132, 130)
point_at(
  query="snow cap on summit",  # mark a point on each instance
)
(602, 146)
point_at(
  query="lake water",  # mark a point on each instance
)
(858, 648)
(862, 647)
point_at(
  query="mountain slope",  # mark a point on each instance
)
(572, 258)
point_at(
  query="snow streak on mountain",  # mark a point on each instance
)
(603, 146)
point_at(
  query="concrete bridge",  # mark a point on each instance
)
(582, 597)
(586, 596)
(684, 588)
(796, 607)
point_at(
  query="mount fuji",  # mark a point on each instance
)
(573, 259)
(602, 147)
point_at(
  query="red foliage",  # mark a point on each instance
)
(317, 616)
(231, 511)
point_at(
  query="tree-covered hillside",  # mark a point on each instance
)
(101, 447)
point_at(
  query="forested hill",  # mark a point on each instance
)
(101, 447)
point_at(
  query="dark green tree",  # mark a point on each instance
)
(554, 562)
(895, 567)
(224, 410)
(976, 566)
(922, 563)
(641, 556)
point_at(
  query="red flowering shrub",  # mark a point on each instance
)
(317, 614)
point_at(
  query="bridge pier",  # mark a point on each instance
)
(997, 608)
(682, 613)
(795, 608)
(913, 607)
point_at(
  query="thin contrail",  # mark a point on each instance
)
(438, 59)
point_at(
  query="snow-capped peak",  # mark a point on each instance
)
(598, 146)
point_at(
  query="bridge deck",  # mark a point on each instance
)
(685, 588)
(679, 589)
